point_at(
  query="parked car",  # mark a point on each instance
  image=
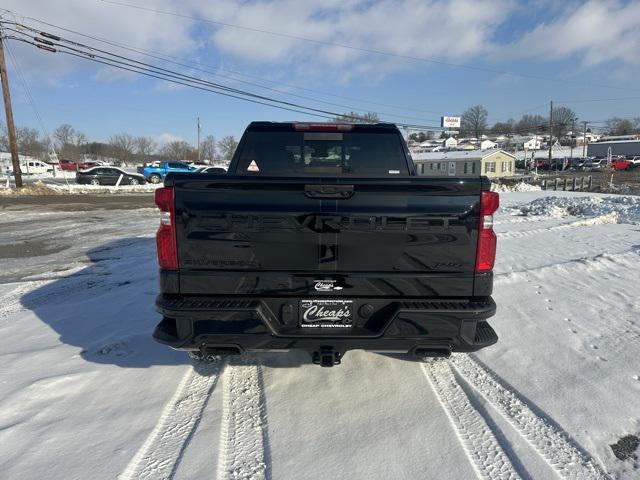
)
(35, 167)
(70, 165)
(155, 174)
(298, 247)
(635, 160)
(108, 176)
(595, 165)
(539, 163)
(208, 169)
(621, 164)
(578, 163)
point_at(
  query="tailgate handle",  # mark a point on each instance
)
(328, 191)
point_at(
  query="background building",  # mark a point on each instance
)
(493, 164)
(619, 147)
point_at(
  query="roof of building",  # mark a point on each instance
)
(612, 142)
(458, 155)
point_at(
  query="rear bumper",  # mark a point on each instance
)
(271, 324)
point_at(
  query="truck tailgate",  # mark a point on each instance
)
(409, 236)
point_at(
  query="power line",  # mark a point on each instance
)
(360, 49)
(167, 58)
(197, 65)
(127, 63)
(88, 52)
(27, 90)
(163, 74)
(191, 78)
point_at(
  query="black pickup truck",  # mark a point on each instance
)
(322, 237)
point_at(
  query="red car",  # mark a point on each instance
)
(72, 166)
(67, 165)
(620, 164)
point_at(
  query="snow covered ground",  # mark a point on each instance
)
(85, 392)
(41, 187)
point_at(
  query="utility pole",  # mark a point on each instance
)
(11, 128)
(573, 134)
(198, 127)
(550, 134)
(584, 140)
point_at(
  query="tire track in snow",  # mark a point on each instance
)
(551, 442)
(162, 451)
(480, 444)
(243, 441)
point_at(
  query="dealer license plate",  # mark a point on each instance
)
(326, 313)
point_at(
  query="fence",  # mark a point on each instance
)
(571, 184)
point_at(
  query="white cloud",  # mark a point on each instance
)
(596, 32)
(134, 28)
(166, 137)
(456, 30)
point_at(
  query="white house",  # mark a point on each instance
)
(529, 143)
(487, 144)
(450, 143)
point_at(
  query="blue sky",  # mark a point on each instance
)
(580, 54)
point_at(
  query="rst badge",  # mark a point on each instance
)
(326, 313)
(326, 285)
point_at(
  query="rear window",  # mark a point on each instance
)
(322, 153)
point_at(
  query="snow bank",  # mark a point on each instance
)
(40, 188)
(37, 188)
(619, 209)
(518, 187)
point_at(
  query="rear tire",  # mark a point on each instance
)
(134, 181)
(155, 178)
(94, 181)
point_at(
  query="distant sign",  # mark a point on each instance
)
(450, 122)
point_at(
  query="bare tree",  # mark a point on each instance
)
(122, 145)
(177, 150)
(29, 142)
(64, 135)
(208, 148)
(145, 146)
(79, 139)
(474, 121)
(355, 117)
(227, 147)
(4, 138)
(563, 120)
(503, 128)
(531, 124)
(619, 126)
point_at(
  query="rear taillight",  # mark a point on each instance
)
(486, 253)
(166, 235)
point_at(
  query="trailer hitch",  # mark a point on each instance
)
(326, 357)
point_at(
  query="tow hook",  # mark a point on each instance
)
(326, 357)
